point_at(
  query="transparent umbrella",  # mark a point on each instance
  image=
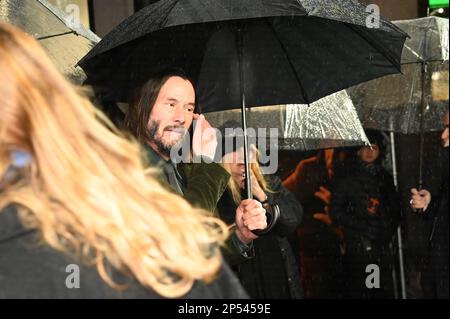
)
(329, 122)
(66, 41)
(399, 102)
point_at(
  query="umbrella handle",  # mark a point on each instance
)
(273, 214)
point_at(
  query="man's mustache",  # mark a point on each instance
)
(176, 128)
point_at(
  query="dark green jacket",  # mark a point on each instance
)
(203, 185)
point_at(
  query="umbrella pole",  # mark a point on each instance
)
(240, 46)
(422, 115)
(399, 228)
(248, 181)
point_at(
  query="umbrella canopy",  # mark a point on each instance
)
(280, 51)
(428, 39)
(394, 103)
(329, 122)
(247, 52)
(64, 41)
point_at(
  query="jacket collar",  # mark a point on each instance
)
(155, 160)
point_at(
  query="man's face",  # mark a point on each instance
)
(171, 115)
(444, 136)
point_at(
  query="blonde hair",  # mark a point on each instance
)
(86, 189)
(234, 188)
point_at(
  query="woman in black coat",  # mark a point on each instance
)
(366, 205)
(29, 269)
(272, 272)
(80, 216)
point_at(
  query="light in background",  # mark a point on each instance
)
(437, 3)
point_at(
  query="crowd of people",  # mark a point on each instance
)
(76, 189)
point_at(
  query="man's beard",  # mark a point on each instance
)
(163, 148)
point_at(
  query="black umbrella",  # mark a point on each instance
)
(247, 52)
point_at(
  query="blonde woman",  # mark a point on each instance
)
(272, 273)
(80, 218)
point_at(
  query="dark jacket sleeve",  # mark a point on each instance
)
(349, 203)
(342, 206)
(205, 184)
(291, 212)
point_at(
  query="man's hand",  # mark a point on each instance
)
(204, 141)
(420, 199)
(250, 215)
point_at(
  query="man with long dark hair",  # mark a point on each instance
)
(160, 116)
